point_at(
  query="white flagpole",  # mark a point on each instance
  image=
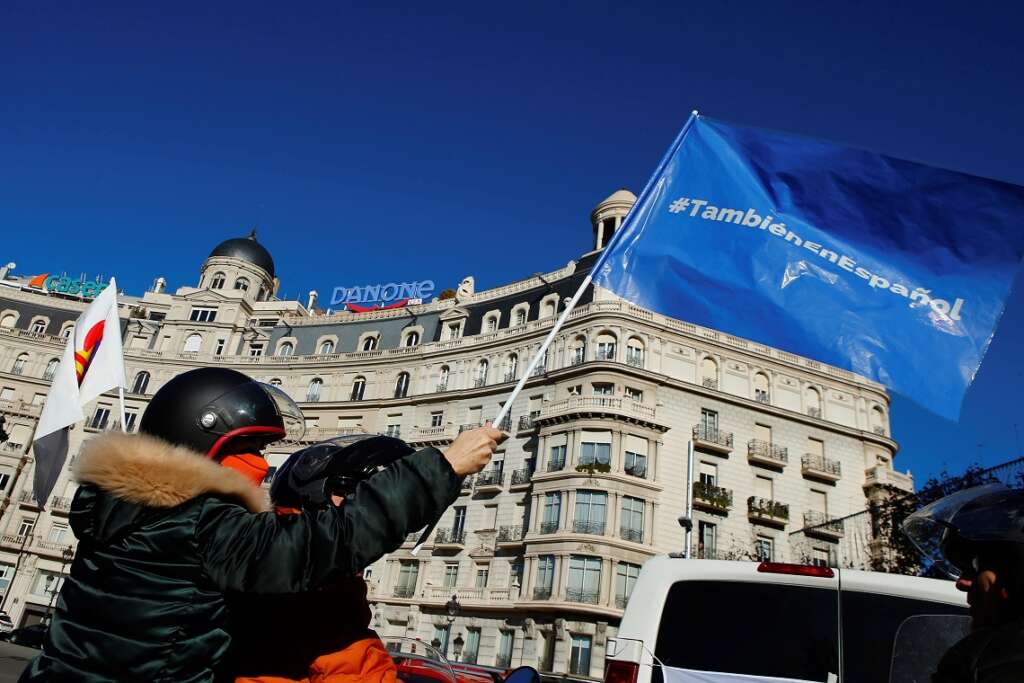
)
(543, 348)
(120, 396)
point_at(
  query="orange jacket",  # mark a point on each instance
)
(364, 660)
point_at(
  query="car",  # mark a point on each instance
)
(29, 636)
(6, 625)
(717, 620)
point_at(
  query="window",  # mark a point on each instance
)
(459, 519)
(192, 343)
(808, 616)
(358, 389)
(19, 364)
(557, 461)
(218, 281)
(313, 392)
(7, 394)
(821, 557)
(819, 502)
(635, 464)
(100, 417)
(218, 349)
(471, 650)
(407, 576)
(625, 578)
(764, 488)
(203, 315)
(57, 533)
(6, 574)
(512, 368)
(483, 573)
(504, 657)
(242, 284)
(761, 393)
(266, 322)
(394, 431)
(451, 575)
(437, 418)
(578, 351)
(575, 390)
(69, 328)
(26, 527)
(441, 634)
(552, 512)
(584, 579)
(275, 382)
(708, 474)
(709, 373)
(5, 479)
(256, 349)
(402, 385)
(8, 321)
(815, 447)
(263, 293)
(763, 433)
(605, 347)
(326, 348)
(285, 349)
(51, 367)
(129, 420)
(709, 424)
(546, 572)
(595, 453)
(38, 326)
(764, 548)
(603, 389)
(632, 519)
(520, 317)
(47, 584)
(590, 512)
(38, 399)
(442, 378)
(635, 353)
(454, 330)
(412, 339)
(634, 394)
(813, 402)
(369, 344)
(141, 383)
(548, 309)
(707, 534)
(491, 324)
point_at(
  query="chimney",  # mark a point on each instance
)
(5, 270)
(311, 302)
(159, 285)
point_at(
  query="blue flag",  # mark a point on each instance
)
(895, 270)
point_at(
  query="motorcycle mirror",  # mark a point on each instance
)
(524, 674)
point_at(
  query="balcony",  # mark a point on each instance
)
(814, 412)
(479, 382)
(510, 377)
(711, 497)
(472, 596)
(521, 479)
(621, 601)
(59, 504)
(506, 424)
(762, 396)
(814, 466)
(586, 597)
(878, 430)
(709, 383)
(467, 484)
(581, 526)
(632, 535)
(489, 481)
(450, 539)
(883, 475)
(539, 370)
(767, 511)
(634, 360)
(556, 464)
(527, 423)
(605, 354)
(510, 536)
(548, 527)
(404, 592)
(12, 448)
(27, 499)
(821, 525)
(583, 407)
(431, 435)
(542, 593)
(577, 359)
(469, 426)
(766, 453)
(17, 541)
(708, 438)
(442, 387)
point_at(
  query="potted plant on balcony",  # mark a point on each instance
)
(594, 467)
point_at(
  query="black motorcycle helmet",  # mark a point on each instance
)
(205, 409)
(309, 477)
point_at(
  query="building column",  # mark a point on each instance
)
(614, 501)
(606, 597)
(570, 504)
(656, 460)
(570, 448)
(652, 506)
(538, 508)
(526, 589)
(615, 458)
(561, 576)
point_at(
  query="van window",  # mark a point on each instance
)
(870, 622)
(757, 629)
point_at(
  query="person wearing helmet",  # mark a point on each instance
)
(323, 636)
(171, 520)
(976, 536)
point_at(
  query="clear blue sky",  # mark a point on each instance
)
(434, 141)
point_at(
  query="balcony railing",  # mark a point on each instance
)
(711, 496)
(605, 354)
(556, 464)
(548, 527)
(634, 360)
(631, 534)
(467, 484)
(767, 510)
(586, 597)
(489, 478)
(506, 424)
(404, 591)
(598, 405)
(468, 426)
(526, 422)
(510, 534)
(709, 383)
(814, 412)
(479, 382)
(712, 437)
(542, 593)
(878, 430)
(60, 504)
(443, 386)
(762, 396)
(621, 601)
(814, 465)
(510, 377)
(816, 522)
(450, 536)
(521, 477)
(539, 370)
(767, 453)
(581, 526)
(577, 359)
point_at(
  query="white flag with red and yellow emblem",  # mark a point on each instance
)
(93, 363)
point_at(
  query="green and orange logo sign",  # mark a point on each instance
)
(87, 289)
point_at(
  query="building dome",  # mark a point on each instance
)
(622, 195)
(246, 249)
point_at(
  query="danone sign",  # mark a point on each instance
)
(87, 289)
(383, 293)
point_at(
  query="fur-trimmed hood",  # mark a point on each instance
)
(150, 472)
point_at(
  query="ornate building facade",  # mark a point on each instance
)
(535, 561)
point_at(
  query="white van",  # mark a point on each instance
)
(711, 620)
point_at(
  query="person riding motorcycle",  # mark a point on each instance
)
(169, 521)
(976, 536)
(322, 636)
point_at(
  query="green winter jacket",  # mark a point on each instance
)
(164, 533)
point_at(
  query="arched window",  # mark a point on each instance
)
(19, 364)
(578, 350)
(326, 347)
(402, 385)
(635, 353)
(511, 368)
(813, 400)
(275, 382)
(39, 326)
(358, 389)
(141, 383)
(313, 392)
(481, 373)
(192, 343)
(68, 330)
(8, 320)
(761, 393)
(370, 344)
(218, 281)
(878, 421)
(262, 294)
(285, 349)
(442, 378)
(51, 368)
(242, 284)
(412, 339)
(605, 346)
(709, 373)
(491, 323)
(549, 309)
(520, 318)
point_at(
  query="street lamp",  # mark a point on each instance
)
(452, 607)
(457, 646)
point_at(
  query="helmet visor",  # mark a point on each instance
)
(252, 408)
